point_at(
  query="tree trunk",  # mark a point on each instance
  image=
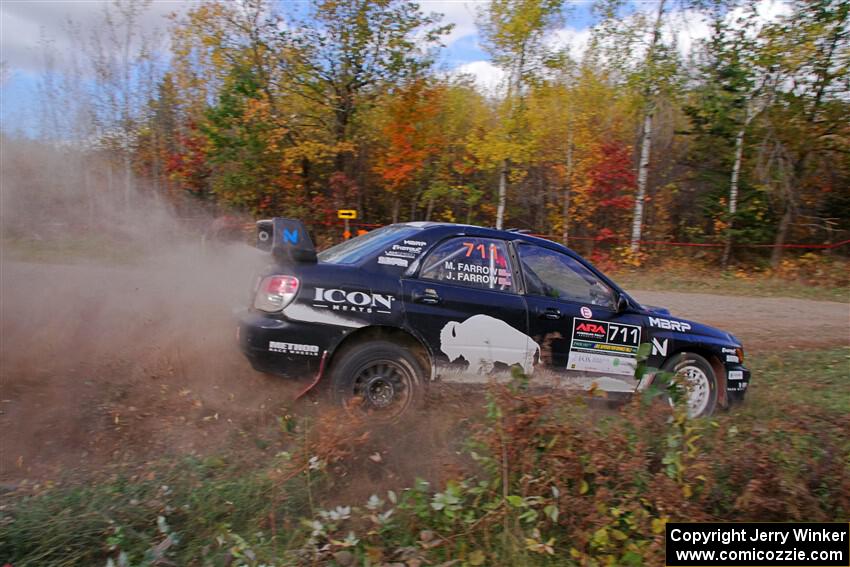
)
(396, 207)
(414, 204)
(643, 174)
(733, 195)
(128, 181)
(503, 191)
(91, 197)
(568, 186)
(306, 171)
(781, 235)
(789, 185)
(155, 159)
(646, 142)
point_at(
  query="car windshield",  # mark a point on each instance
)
(354, 250)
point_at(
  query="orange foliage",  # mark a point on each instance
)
(410, 135)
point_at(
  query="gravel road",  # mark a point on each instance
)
(104, 365)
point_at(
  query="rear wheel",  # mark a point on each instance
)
(379, 378)
(699, 380)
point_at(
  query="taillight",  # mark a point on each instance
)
(275, 293)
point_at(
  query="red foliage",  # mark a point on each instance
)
(613, 177)
(188, 166)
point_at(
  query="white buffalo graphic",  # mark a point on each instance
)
(483, 340)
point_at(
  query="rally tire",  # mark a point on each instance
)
(378, 379)
(699, 378)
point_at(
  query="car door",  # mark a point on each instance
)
(573, 317)
(463, 301)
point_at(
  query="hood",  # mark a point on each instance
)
(696, 329)
(655, 310)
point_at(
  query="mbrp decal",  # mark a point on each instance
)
(483, 340)
(669, 325)
(356, 301)
(293, 348)
(735, 375)
(600, 346)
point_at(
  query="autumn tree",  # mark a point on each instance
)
(342, 56)
(513, 32)
(728, 96)
(125, 68)
(285, 109)
(805, 139)
(412, 139)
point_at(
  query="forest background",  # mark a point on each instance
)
(616, 143)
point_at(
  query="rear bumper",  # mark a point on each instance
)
(290, 349)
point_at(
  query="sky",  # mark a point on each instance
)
(25, 25)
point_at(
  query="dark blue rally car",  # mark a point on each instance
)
(380, 316)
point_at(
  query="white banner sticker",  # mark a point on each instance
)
(607, 363)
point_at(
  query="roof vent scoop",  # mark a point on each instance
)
(287, 240)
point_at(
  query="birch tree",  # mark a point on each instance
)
(729, 96)
(513, 32)
(650, 89)
(634, 50)
(123, 61)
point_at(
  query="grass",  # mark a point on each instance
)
(173, 510)
(552, 484)
(73, 250)
(819, 380)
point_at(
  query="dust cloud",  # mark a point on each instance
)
(117, 338)
(117, 329)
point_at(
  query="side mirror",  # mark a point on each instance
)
(622, 304)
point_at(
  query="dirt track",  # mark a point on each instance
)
(106, 366)
(762, 324)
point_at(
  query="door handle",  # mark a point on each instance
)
(551, 313)
(429, 296)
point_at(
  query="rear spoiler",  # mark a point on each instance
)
(287, 240)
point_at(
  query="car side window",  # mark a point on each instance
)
(481, 263)
(556, 275)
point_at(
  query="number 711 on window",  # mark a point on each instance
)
(482, 249)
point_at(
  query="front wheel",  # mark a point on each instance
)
(380, 379)
(698, 378)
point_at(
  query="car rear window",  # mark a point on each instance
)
(362, 247)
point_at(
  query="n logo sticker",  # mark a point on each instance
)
(290, 236)
(659, 347)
